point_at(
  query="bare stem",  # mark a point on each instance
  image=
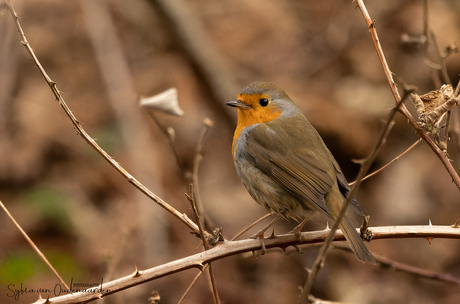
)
(392, 161)
(403, 110)
(362, 173)
(191, 198)
(80, 131)
(207, 124)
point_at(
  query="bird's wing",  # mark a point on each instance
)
(345, 188)
(303, 174)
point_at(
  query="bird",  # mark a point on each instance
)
(284, 163)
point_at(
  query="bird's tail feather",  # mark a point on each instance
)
(356, 242)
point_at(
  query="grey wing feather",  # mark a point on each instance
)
(309, 184)
(345, 188)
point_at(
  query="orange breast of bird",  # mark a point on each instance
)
(255, 115)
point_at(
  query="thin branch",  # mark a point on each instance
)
(252, 225)
(32, 244)
(80, 131)
(319, 262)
(425, 273)
(389, 264)
(207, 124)
(428, 35)
(191, 198)
(230, 248)
(403, 110)
(392, 161)
(170, 135)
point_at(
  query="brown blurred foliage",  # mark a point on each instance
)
(92, 224)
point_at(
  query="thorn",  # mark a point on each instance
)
(429, 222)
(254, 255)
(200, 266)
(456, 224)
(429, 239)
(137, 272)
(97, 296)
(284, 249)
(372, 24)
(327, 226)
(40, 298)
(272, 236)
(308, 270)
(297, 248)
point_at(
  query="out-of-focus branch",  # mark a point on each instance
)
(392, 265)
(32, 244)
(209, 64)
(212, 279)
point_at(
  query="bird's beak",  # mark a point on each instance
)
(237, 104)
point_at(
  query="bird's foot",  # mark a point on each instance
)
(260, 236)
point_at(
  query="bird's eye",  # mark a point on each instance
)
(263, 102)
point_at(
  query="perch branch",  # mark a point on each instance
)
(234, 238)
(236, 247)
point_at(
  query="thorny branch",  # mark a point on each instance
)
(80, 131)
(365, 166)
(229, 248)
(403, 110)
(191, 198)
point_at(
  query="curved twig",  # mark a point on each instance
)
(80, 131)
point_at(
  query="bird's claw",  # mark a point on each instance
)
(259, 236)
(296, 231)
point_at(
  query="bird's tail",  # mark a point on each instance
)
(334, 204)
(356, 242)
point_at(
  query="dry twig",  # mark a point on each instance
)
(403, 110)
(362, 173)
(389, 163)
(80, 131)
(191, 198)
(236, 247)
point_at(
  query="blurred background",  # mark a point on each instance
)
(104, 54)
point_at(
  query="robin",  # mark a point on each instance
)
(284, 163)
